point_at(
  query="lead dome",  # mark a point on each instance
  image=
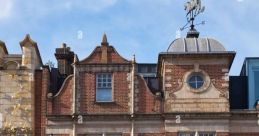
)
(195, 45)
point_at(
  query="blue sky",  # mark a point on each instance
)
(140, 27)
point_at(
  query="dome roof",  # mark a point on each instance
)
(194, 45)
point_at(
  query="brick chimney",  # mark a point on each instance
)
(65, 58)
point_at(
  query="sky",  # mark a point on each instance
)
(141, 27)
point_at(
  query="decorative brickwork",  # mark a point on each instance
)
(180, 97)
(216, 74)
(96, 57)
(175, 74)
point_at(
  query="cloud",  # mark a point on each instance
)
(6, 8)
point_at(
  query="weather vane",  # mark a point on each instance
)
(193, 9)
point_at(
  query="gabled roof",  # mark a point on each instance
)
(104, 54)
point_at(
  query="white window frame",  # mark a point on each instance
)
(104, 87)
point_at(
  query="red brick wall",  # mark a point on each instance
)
(41, 89)
(62, 104)
(120, 94)
(147, 102)
(178, 72)
(222, 134)
(112, 56)
(215, 73)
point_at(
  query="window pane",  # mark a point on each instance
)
(103, 95)
(192, 79)
(196, 81)
(199, 78)
(193, 85)
(109, 79)
(104, 79)
(199, 84)
(104, 88)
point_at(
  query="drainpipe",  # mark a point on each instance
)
(132, 96)
(74, 96)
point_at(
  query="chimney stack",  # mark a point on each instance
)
(65, 58)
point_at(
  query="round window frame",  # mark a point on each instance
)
(203, 75)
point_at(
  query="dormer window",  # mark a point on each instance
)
(104, 87)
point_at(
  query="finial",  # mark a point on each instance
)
(64, 45)
(105, 41)
(27, 39)
(193, 9)
(134, 59)
(27, 36)
(75, 58)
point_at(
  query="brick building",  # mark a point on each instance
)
(185, 94)
(105, 94)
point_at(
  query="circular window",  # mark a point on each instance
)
(196, 81)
